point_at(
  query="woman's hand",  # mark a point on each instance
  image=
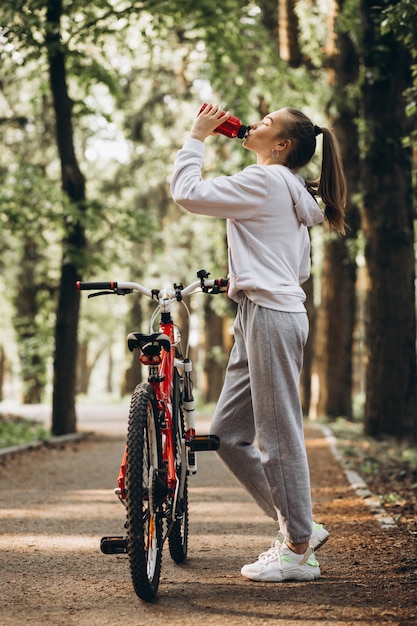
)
(207, 121)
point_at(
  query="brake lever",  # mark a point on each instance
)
(114, 292)
(99, 293)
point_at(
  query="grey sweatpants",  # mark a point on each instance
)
(260, 402)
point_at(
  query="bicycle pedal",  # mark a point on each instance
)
(201, 443)
(113, 545)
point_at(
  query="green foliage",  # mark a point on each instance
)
(137, 75)
(349, 21)
(18, 430)
(392, 22)
(314, 30)
(409, 456)
(400, 19)
(30, 202)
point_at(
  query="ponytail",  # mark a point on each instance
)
(331, 186)
(332, 183)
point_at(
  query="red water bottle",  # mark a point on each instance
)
(232, 127)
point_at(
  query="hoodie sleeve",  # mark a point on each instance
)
(305, 261)
(233, 197)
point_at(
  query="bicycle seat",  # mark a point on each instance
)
(150, 343)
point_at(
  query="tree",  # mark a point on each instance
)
(73, 183)
(29, 243)
(391, 383)
(182, 49)
(28, 328)
(400, 20)
(336, 316)
(36, 32)
(31, 31)
(289, 42)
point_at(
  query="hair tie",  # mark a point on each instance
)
(317, 130)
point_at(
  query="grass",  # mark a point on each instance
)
(15, 431)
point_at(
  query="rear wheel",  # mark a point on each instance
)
(178, 535)
(145, 491)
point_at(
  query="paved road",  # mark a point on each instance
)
(104, 418)
(108, 419)
(55, 504)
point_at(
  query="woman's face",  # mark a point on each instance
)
(266, 135)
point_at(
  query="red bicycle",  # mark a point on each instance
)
(162, 442)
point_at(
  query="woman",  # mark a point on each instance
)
(268, 208)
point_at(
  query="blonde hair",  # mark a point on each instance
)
(331, 185)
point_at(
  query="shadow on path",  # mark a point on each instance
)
(56, 503)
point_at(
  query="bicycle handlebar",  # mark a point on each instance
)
(216, 285)
(97, 285)
(116, 287)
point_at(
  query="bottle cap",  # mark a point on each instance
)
(243, 131)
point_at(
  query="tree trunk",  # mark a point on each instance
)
(133, 373)
(73, 183)
(83, 367)
(391, 384)
(215, 355)
(335, 331)
(289, 47)
(26, 303)
(2, 371)
(336, 316)
(85, 364)
(307, 370)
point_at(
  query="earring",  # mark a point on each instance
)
(275, 153)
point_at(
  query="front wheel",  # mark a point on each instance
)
(178, 535)
(144, 487)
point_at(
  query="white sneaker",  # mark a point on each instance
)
(279, 563)
(318, 538)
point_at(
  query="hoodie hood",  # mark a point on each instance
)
(306, 208)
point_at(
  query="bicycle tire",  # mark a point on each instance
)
(178, 535)
(143, 493)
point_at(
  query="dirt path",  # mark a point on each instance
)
(57, 503)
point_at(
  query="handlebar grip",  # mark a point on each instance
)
(214, 286)
(99, 285)
(218, 284)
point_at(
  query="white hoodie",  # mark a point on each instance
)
(268, 210)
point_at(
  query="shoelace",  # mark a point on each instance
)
(272, 552)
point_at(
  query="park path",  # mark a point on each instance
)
(56, 503)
